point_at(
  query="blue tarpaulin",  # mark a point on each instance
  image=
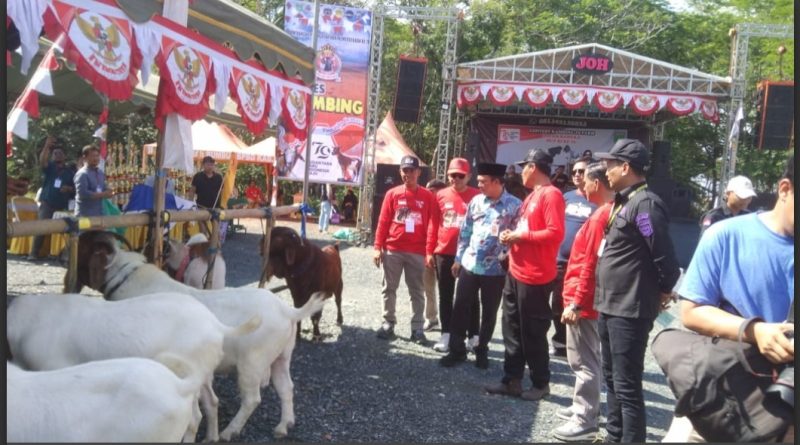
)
(142, 199)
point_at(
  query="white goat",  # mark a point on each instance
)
(257, 357)
(47, 332)
(118, 400)
(193, 273)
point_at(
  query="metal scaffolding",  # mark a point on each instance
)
(738, 71)
(451, 16)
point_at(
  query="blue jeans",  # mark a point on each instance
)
(324, 215)
(623, 344)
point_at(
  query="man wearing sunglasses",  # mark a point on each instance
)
(636, 271)
(577, 210)
(442, 240)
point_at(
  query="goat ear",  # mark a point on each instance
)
(290, 254)
(97, 269)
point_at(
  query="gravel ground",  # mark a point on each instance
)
(353, 387)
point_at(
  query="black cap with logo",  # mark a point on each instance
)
(409, 162)
(627, 150)
(537, 156)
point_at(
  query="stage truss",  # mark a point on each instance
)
(452, 17)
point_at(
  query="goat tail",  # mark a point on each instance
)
(312, 306)
(245, 328)
(190, 379)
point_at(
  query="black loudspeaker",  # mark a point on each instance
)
(387, 176)
(410, 87)
(775, 117)
(660, 163)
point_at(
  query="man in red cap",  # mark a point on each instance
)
(443, 239)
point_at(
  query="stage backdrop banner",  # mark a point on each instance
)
(567, 143)
(340, 94)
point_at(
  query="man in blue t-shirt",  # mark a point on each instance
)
(744, 268)
(577, 210)
(57, 187)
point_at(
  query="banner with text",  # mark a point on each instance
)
(567, 144)
(340, 94)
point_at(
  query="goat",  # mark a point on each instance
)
(193, 272)
(257, 357)
(53, 331)
(307, 269)
(117, 400)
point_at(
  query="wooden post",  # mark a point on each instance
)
(270, 221)
(214, 246)
(72, 270)
(158, 201)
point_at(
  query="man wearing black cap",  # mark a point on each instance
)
(635, 273)
(400, 243)
(531, 272)
(477, 265)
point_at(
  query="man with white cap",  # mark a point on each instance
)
(443, 238)
(738, 195)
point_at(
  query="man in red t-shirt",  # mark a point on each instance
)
(531, 275)
(443, 240)
(400, 243)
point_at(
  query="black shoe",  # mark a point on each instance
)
(482, 359)
(452, 359)
(386, 331)
(418, 337)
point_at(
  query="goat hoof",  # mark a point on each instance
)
(316, 338)
(280, 432)
(226, 436)
(339, 320)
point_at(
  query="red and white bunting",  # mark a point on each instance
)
(470, 95)
(100, 45)
(251, 94)
(709, 110)
(186, 80)
(501, 95)
(573, 98)
(681, 106)
(608, 101)
(296, 112)
(537, 97)
(644, 104)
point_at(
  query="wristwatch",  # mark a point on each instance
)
(574, 307)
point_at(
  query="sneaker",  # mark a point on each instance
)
(430, 325)
(472, 342)
(452, 359)
(418, 337)
(535, 393)
(565, 413)
(444, 343)
(386, 331)
(573, 432)
(482, 359)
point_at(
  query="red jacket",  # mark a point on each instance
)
(452, 206)
(398, 206)
(579, 275)
(532, 260)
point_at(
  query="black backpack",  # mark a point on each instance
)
(721, 386)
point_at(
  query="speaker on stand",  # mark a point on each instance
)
(411, 74)
(774, 127)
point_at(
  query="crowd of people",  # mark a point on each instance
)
(597, 262)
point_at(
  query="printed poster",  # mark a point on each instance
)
(340, 95)
(568, 144)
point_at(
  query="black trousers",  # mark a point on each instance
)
(466, 302)
(526, 319)
(557, 303)
(447, 285)
(623, 343)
